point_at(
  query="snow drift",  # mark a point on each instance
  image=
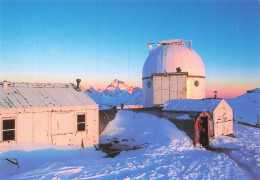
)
(246, 107)
(145, 128)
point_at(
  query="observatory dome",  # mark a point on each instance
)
(171, 54)
(172, 71)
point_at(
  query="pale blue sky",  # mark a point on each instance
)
(98, 41)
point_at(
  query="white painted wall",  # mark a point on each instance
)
(194, 92)
(93, 133)
(41, 127)
(54, 127)
(24, 131)
(147, 93)
(223, 119)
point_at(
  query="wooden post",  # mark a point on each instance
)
(257, 124)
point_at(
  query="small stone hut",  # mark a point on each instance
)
(54, 113)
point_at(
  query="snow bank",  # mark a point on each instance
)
(246, 107)
(146, 128)
(33, 156)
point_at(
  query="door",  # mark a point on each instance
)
(169, 87)
(204, 132)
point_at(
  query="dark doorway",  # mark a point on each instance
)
(204, 138)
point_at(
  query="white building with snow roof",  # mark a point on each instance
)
(53, 113)
(220, 111)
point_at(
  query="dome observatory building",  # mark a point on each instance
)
(172, 71)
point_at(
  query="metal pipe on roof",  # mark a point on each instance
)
(5, 85)
(78, 82)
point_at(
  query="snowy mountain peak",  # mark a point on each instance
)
(118, 85)
(91, 90)
(117, 92)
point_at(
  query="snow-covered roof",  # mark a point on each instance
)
(171, 55)
(28, 95)
(199, 105)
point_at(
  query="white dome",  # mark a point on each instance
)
(169, 56)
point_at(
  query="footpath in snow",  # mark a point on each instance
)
(169, 154)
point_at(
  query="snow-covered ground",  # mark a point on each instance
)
(169, 155)
(247, 107)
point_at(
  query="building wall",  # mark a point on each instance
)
(168, 87)
(195, 92)
(93, 128)
(147, 93)
(24, 130)
(165, 88)
(223, 119)
(58, 127)
(41, 127)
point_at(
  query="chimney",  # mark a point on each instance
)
(78, 82)
(5, 85)
(215, 94)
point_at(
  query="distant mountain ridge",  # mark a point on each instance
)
(117, 85)
(117, 92)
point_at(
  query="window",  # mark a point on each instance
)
(81, 122)
(149, 84)
(196, 83)
(8, 129)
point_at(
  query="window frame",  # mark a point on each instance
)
(2, 129)
(77, 123)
